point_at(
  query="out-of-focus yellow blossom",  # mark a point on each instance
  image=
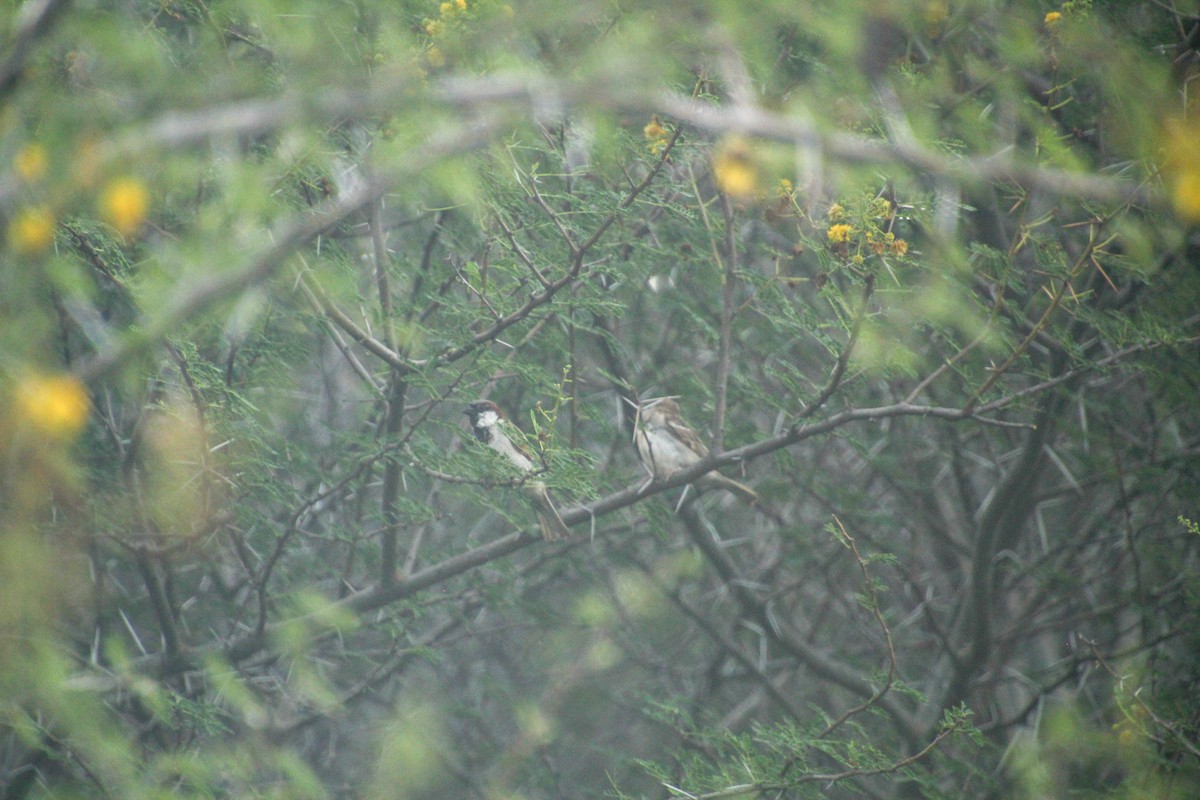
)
(1052, 18)
(30, 162)
(1181, 168)
(899, 247)
(734, 170)
(462, 4)
(55, 406)
(435, 27)
(786, 189)
(1186, 195)
(839, 233)
(656, 135)
(836, 212)
(435, 57)
(935, 13)
(31, 231)
(124, 204)
(445, 9)
(654, 129)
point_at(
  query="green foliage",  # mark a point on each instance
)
(921, 273)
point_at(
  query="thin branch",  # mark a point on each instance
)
(1038, 327)
(883, 626)
(725, 643)
(725, 328)
(382, 261)
(553, 288)
(200, 293)
(324, 304)
(855, 149)
(377, 597)
(783, 634)
(744, 789)
(843, 360)
(34, 20)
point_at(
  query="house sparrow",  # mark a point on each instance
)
(666, 445)
(492, 428)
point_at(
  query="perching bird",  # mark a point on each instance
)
(666, 445)
(491, 427)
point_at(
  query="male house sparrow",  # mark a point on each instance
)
(666, 445)
(491, 427)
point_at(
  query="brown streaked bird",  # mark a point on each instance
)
(666, 445)
(491, 427)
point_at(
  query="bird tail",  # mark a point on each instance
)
(552, 525)
(740, 490)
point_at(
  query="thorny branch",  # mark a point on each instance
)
(376, 597)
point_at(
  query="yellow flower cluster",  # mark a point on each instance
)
(839, 233)
(734, 169)
(56, 406)
(870, 237)
(30, 162)
(31, 231)
(124, 204)
(888, 244)
(656, 136)
(1181, 170)
(446, 12)
(1052, 18)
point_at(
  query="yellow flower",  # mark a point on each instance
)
(837, 211)
(54, 405)
(30, 162)
(435, 27)
(1181, 170)
(839, 233)
(785, 188)
(656, 135)
(124, 204)
(462, 4)
(31, 231)
(899, 247)
(734, 170)
(935, 13)
(654, 129)
(445, 9)
(1052, 18)
(1185, 195)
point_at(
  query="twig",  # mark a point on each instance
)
(205, 291)
(883, 626)
(725, 330)
(34, 20)
(843, 360)
(832, 777)
(1038, 327)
